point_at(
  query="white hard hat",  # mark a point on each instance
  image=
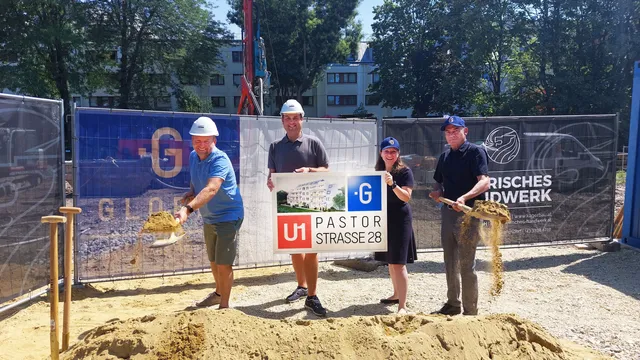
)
(292, 106)
(204, 126)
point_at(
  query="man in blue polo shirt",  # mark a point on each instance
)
(461, 175)
(215, 193)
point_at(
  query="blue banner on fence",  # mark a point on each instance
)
(126, 153)
(131, 164)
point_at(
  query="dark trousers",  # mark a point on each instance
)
(460, 259)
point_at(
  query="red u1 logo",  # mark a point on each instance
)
(294, 232)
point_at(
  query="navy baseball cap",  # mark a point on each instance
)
(452, 120)
(390, 143)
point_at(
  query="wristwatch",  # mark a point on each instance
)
(394, 185)
(189, 209)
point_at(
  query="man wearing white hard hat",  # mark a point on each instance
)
(214, 191)
(300, 153)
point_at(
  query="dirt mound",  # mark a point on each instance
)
(230, 334)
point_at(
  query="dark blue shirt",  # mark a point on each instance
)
(458, 170)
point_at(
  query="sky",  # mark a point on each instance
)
(365, 15)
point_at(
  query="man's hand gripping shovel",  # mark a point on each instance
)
(477, 212)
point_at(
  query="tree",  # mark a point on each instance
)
(360, 111)
(301, 41)
(188, 101)
(41, 47)
(161, 44)
(500, 33)
(339, 200)
(423, 58)
(282, 197)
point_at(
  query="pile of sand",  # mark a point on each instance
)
(162, 221)
(230, 334)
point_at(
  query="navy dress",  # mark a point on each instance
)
(401, 248)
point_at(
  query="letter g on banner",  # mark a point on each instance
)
(364, 193)
(156, 155)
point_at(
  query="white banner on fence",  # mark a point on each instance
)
(329, 212)
(351, 146)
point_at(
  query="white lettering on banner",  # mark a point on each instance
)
(524, 196)
(367, 193)
(296, 227)
(521, 196)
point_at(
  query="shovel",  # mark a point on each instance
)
(476, 214)
(173, 238)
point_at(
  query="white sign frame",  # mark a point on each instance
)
(310, 196)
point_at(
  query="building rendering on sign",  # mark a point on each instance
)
(315, 195)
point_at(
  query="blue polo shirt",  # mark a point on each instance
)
(226, 204)
(458, 170)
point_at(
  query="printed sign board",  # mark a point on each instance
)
(327, 212)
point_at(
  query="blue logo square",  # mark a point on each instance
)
(364, 193)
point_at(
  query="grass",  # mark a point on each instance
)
(288, 209)
(621, 177)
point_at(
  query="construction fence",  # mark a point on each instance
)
(557, 174)
(31, 186)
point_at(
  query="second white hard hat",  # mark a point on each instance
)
(292, 106)
(204, 126)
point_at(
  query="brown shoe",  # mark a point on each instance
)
(211, 299)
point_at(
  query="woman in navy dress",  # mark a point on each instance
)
(401, 247)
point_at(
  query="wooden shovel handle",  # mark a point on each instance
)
(464, 208)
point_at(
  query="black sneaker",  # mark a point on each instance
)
(448, 310)
(313, 303)
(297, 294)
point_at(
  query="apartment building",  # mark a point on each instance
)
(316, 195)
(343, 88)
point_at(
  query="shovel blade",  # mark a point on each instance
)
(166, 242)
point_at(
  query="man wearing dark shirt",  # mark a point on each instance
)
(462, 176)
(299, 153)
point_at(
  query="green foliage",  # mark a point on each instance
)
(360, 111)
(282, 197)
(188, 101)
(339, 200)
(162, 44)
(621, 177)
(507, 57)
(302, 37)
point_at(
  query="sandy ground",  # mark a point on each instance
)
(584, 296)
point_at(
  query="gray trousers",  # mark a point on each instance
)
(460, 259)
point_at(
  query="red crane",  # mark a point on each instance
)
(253, 56)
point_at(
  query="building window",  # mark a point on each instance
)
(236, 101)
(236, 56)
(372, 100)
(375, 77)
(77, 100)
(162, 103)
(307, 101)
(105, 101)
(218, 102)
(216, 79)
(237, 79)
(342, 78)
(342, 100)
